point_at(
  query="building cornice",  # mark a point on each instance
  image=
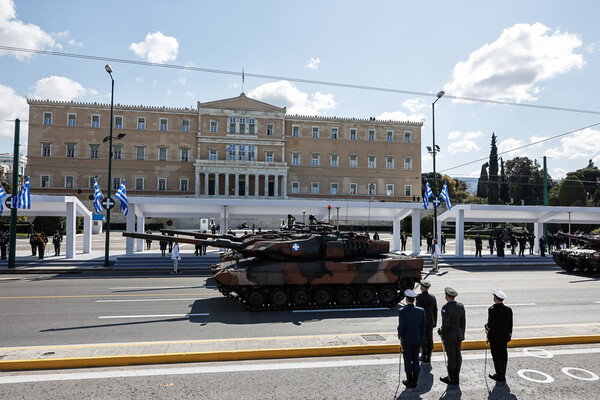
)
(107, 106)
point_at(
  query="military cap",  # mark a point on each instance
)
(410, 293)
(450, 292)
(500, 294)
(426, 283)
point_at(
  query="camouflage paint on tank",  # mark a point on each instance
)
(584, 257)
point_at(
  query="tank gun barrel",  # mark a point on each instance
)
(199, 235)
(222, 243)
(584, 238)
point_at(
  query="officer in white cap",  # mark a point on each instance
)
(499, 332)
(411, 329)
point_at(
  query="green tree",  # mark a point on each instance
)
(482, 183)
(589, 176)
(571, 192)
(493, 187)
(504, 191)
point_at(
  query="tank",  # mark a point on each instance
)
(306, 267)
(583, 257)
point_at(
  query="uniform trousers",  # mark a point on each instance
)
(454, 359)
(411, 359)
(428, 341)
(499, 351)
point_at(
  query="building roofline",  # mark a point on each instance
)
(308, 117)
(96, 104)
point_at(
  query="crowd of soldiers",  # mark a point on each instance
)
(37, 241)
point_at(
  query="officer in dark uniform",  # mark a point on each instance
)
(478, 245)
(452, 333)
(403, 240)
(522, 244)
(542, 246)
(491, 244)
(33, 242)
(500, 244)
(428, 302)
(41, 245)
(56, 240)
(499, 332)
(4, 238)
(411, 329)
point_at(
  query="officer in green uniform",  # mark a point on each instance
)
(499, 332)
(452, 333)
(428, 302)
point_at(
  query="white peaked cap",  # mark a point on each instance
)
(500, 294)
(410, 293)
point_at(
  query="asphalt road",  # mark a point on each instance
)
(97, 308)
(565, 372)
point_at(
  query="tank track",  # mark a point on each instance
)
(277, 298)
(577, 261)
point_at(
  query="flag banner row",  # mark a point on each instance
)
(24, 198)
(429, 193)
(121, 195)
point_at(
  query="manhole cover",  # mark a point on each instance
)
(373, 338)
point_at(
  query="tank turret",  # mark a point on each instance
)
(583, 256)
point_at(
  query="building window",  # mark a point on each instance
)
(162, 184)
(185, 125)
(372, 161)
(314, 187)
(45, 181)
(407, 162)
(94, 150)
(117, 152)
(269, 129)
(72, 120)
(371, 135)
(139, 183)
(231, 125)
(269, 156)
(213, 154)
(46, 149)
(295, 159)
(95, 121)
(251, 152)
(353, 134)
(390, 136)
(389, 162)
(407, 190)
(315, 160)
(251, 126)
(389, 189)
(295, 187)
(47, 118)
(372, 189)
(70, 150)
(140, 153)
(353, 161)
(214, 126)
(69, 182)
(119, 122)
(334, 133)
(185, 155)
(295, 131)
(141, 123)
(91, 182)
(162, 153)
(241, 152)
(230, 150)
(242, 126)
(354, 188)
(407, 137)
(334, 160)
(315, 132)
(164, 124)
(183, 185)
(334, 188)
(116, 183)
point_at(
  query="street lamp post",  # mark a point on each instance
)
(435, 196)
(108, 69)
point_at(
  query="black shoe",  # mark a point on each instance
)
(415, 380)
(497, 378)
(426, 360)
(406, 383)
(446, 380)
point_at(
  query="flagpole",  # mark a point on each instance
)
(12, 247)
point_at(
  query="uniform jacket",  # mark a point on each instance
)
(478, 243)
(500, 323)
(453, 322)
(411, 325)
(429, 304)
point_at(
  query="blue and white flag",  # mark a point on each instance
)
(97, 197)
(24, 196)
(122, 195)
(444, 195)
(2, 196)
(230, 148)
(428, 194)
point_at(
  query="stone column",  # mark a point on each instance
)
(266, 185)
(217, 184)
(284, 188)
(206, 183)
(197, 188)
(237, 185)
(396, 230)
(256, 181)
(226, 191)
(246, 186)
(276, 186)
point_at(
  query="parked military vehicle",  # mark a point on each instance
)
(584, 257)
(312, 267)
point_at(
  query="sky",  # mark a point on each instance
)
(533, 66)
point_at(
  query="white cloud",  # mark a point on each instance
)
(75, 43)
(16, 33)
(313, 63)
(414, 105)
(536, 138)
(558, 173)
(510, 67)
(473, 135)
(156, 48)
(234, 85)
(12, 106)
(283, 93)
(582, 144)
(400, 116)
(59, 88)
(462, 146)
(508, 145)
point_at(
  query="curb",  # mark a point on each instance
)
(237, 355)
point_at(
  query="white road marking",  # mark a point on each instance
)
(510, 305)
(153, 287)
(126, 300)
(343, 309)
(244, 367)
(155, 316)
(547, 378)
(567, 371)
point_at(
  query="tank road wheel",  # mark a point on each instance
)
(388, 295)
(322, 296)
(366, 295)
(279, 298)
(255, 299)
(300, 298)
(344, 296)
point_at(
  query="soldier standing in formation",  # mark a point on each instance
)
(428, 302)
(4, 238)
(403, 240)
(411, 329)
(33, 239)
(522, 244)
(56, 240)
(41, 245)
(531, 239)
(542, 246)
(478, 245)
(148, 241)
(452, 333)
(491, 244)
(499, 332)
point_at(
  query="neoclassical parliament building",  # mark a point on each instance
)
(237, 147)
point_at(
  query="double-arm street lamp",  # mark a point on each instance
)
(108, 69)
(434, 150)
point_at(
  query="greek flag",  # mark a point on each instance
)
(24, 196)
(231, 147)
(444, 195)
(97, 197)
(428, 194)
(122, 195)
(2, 196)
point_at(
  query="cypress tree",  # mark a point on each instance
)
(504, 196)
(482, 182)
(493, 181)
